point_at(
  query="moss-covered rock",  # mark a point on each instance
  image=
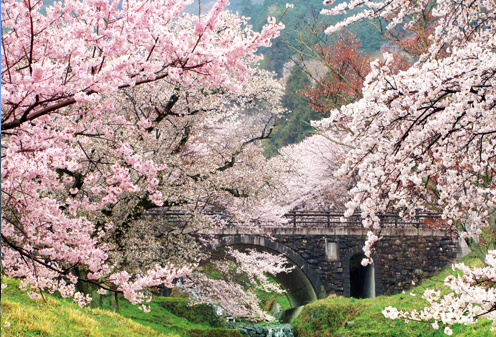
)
(323, 319)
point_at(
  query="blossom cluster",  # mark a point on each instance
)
(239, 299)
(473, 296)
(424, 138)
(310, 182)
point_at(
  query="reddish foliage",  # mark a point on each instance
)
(347, 68)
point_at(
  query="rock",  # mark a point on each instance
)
(349, 324)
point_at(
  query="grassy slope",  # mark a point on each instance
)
(324, 318)
(328, 317)
(62, 317)
(174, 314)
(56, 317)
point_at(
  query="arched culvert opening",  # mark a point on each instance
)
(302, 285)
(362, 281)
(362, 278)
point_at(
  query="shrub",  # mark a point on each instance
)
(200, 313)
(323, 319)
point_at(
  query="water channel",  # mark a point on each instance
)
(255, 330)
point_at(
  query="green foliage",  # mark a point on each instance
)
(179, 292)
(296, 81)
(182, 319)
(200, 313)
(295, 126)
(267, 299)
(328, 317)
(215, 333)
(170, 317)
(284, 302)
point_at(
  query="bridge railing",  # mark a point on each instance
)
(313, 219)
(336, 219)
(180, 217)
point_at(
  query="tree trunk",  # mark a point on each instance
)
(97, 300)
(114, 302)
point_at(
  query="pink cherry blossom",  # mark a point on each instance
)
(72, 153)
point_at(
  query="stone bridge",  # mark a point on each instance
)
(327, 253)
(327, 257)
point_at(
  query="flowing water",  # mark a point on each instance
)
(255, 330)
(280, 330)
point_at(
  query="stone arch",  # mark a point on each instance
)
(302, 284)
(358, 250)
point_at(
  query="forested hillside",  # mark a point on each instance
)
(294, 126)
(303, 15)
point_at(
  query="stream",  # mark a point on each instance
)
(255, 330)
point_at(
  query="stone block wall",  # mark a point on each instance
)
(398, 260)
(407, 259)
(400, 257)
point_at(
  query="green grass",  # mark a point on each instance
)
(56, 317)
(268, 300)
(327, 317)
(62, 317)
(173, 317)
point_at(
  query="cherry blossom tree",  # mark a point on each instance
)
(414, 38)
(425, 139)
(346, 67)
(232, 279)
(311, 183)
(73, 157)
(208, 142)
(212, 161)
